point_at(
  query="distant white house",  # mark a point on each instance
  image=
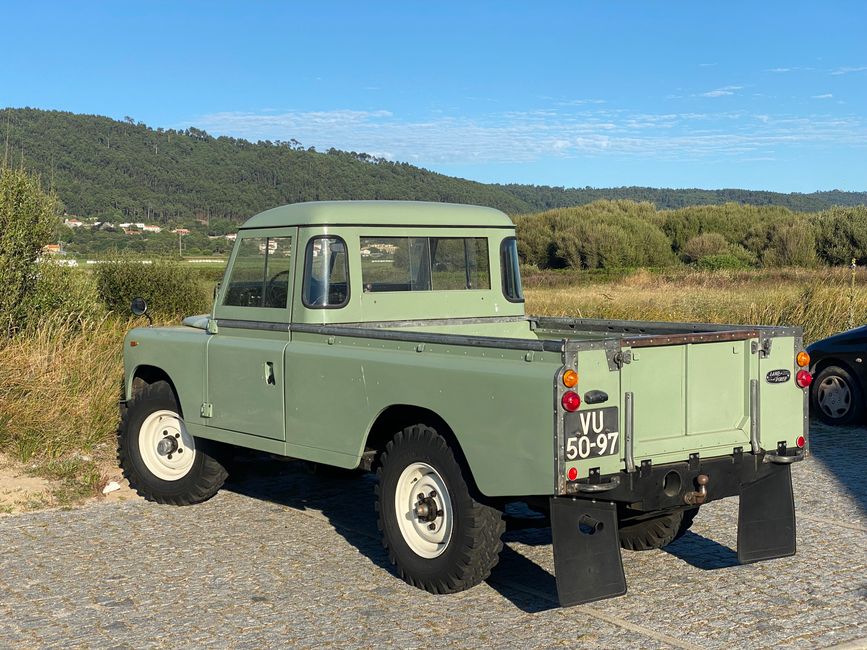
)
(181, 231)
(272, 246)
(150, 228)
(232, 236)
(72, 223)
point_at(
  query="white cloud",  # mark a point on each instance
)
(779, 69)
(579, 102)
(527, 136)
(825, 96)
(721, 92)
(848, 70)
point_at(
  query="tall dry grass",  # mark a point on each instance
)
(58, 398)
(819, 301)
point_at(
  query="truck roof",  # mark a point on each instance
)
(380, 213)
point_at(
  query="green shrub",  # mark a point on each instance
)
(719, 262)
(28, 217)
(841, 235)
(603, 234)
(170, 288)
(705, 245)
(790, 244)
(65, 292)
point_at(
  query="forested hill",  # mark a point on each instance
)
(669, 199)
(108, 168)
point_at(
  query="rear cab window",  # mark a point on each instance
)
(424, 264)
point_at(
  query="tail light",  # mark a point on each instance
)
(570, 401)
(572, 474)
(803, 378)
(803, 359)
(801, 442)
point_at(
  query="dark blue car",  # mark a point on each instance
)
(839, 376)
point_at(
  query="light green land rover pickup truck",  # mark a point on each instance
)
(391, 336)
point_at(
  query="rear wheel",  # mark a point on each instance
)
(837, 396)
(159, 457)
(437, 534)
(657, 531)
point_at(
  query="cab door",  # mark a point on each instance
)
(245, 357)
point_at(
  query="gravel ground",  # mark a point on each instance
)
(283, 558)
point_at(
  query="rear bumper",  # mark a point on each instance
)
(665, 487)
(584, 527)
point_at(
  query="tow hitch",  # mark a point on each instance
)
(698, 497)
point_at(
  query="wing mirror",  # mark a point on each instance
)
(139, 308)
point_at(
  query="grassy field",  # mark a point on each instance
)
(821, 301)
(61, 378)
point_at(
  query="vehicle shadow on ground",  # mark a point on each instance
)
(346, 500)
(702, 552)
(841, 451)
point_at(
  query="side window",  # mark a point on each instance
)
(512, 289)
(326, 273)
(459, 263)
(260, 273)
(395, 263)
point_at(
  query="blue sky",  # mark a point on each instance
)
(769, 95)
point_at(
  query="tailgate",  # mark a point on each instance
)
(688, 395)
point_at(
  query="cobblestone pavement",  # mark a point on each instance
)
(291, 559)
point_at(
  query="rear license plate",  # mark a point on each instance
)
(592, 433)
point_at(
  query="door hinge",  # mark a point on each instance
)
(207, 410)
(617, 358)
(622, 358)
(763, 349)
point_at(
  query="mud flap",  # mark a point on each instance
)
(587, 562)
(766, 517)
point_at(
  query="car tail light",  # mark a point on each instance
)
(801, 441)
(803, 378)
(803, 359)
(570, 401)
(572, 474)
(570, 378)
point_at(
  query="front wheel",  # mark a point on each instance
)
(440, 538)
(159, 457)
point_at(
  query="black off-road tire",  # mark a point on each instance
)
(206, 474)
(656, 532)
(474, 546)
(844, 378)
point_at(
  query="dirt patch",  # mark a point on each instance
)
(21, 491)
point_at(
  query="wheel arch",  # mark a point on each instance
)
(396, 417)
(145, 375)
(828, 361)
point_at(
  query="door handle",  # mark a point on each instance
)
(268, 368)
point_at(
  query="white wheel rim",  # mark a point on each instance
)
(834, 396)
(166, 447)
(426, 538)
